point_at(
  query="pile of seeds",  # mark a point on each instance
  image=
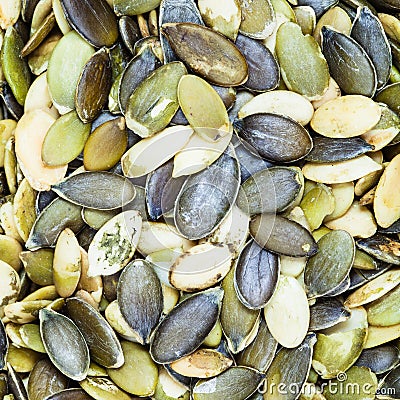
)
(199, 199)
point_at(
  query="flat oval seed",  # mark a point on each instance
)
(256, 276)
(99, 190)
(70, 394)
(102, 388)
(194, 45)
(327, 312)
(105, 145)
(71, 357)
(368, 31)
(258, 18)
(94, 20)
(348, 63)
(141, 305)
(64, 140)
(154, 102)
(331, 265)
(380, 359)
(104, 347)
(282, 236)
(378, 335)
(114, 245)
(135, 7)
(93, 86)
(203, 107)
(274, 137)
(390, 96)
(320, 7)
(184, 329)
(65, 67)
(384, 311)
(287, 313)
(289, 41)
(236, 383)
(9, 13)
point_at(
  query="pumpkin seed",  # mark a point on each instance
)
(7, 221)
(214, 338)
(93, 86)
(14, 67)
(305, 16)
(344, 196)
(65, 67)
(201, 267)
(3, 345)
(99, 26)
(139, 160)
(219, 184)
(270, 190)
(289, 36)
(45, 380)
(9, 13)
(327, 312)
(136, 7)
(97, 218)
(192, 42)
(281, 102)
(23, 312)
(41, 11)
(141, 306)
(274, 233)
(38, 96)
(30, 334)
(21, 361)
(62, 22)
(54, 326)
(329, 359)
(364, 261)
(73, 394)
(378, 335)
(7, 127)
(383, 312)
(345, 56)
(258, 18)
(10, 286)
(235, 382)
(10, 165)
(287, 140)
(103, 388)
(114, 244)
(368, 31)
(331, 265)
(380, 359)
(168, 388)
(287, 313)
(320, 7)
(99, 190)
(381, 247)
(225, 20)
(16, 386)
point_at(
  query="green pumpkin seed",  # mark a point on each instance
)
(382, 248)
(64, 140)
(45, 380)
(99, 190)
(368, 31)
(364, 261)
(114, 244)
(70, 394)
(236, 383)
(327, 312)
(102, 388)
(389, 95)
(99, 24)
(329, 359)
(10, 286)
(214, 338)
(225, 20)
(24, 209)
(14, 67)
(105, 146)
(289, 36)
(282, 236)
(30, 334)
(258, 18)
(192, 42)
(93, 86)
(168, 388)
(331, 265)
(54, 326)
(305, 16)
(141, 306)
(3, 345)
(135, 7)
(193, 318)
(287, 313)
(384, 312)
(261, 352)
(22, 361)
(290, 368)
(97, 218)
(378, 335)
(256, 276)
(380, 359)
(348, 63)
(23, 312)
(65, 67)
(287, 140)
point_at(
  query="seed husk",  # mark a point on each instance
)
(287, 313)
(114, 245)
(99, 190)
(384, 311)
(256, 276)
(348, 63)
(3, 345)
(129, 31)
(93, 86)
(94, 20)
(274, 137)
(282, 236)
(283, 102)
(381, 247)
(193, 318)
(102, 388)
(140, 305)
(290, 368)
(368, 31)
(148, 117)
(331, 265)
(380, 359)
(327, 312)
(54, 326)
(196, 214)
(139, 160)
(329, 358)
(289, 36)
(65, 67)
(70, 394)
(194, 45)
(15, 384)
